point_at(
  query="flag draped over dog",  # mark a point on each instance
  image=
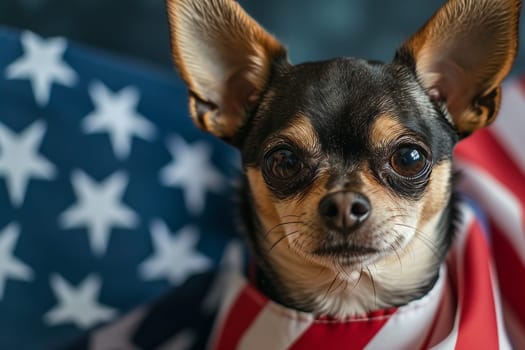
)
(116, 213)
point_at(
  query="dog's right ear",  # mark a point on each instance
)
(224, 57)
(461, 56)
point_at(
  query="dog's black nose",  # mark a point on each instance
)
(344, 211)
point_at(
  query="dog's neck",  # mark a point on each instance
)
(291, 280)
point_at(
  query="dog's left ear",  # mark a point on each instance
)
(224, 57)
(462, 55)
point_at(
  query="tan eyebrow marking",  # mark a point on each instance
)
(302, 133)
(385, 129)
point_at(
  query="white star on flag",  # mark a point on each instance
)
(20, 161)
(10, 266)
(192, 171)
(79, 304)
(175, 257)
(43, 65)
(116, 114)
(99, 208)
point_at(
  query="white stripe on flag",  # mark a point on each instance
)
(273, 330)
(503, 337)
(503, 207)
(467, 217)
(236, 284)
(408, 327)
(509, 127)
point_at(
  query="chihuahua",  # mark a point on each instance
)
(348, 203)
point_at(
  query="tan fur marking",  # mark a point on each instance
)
(385, 129)
(264, 200)
(437, 194)
(272, 211)
(302, 133)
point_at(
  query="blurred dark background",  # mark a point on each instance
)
(312, 29)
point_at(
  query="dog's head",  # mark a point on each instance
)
(348, 161)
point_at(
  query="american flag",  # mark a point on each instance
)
(109, 196)
(116, 214)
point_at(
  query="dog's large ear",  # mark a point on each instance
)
(224, 57)
(461, 56)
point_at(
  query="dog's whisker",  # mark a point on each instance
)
(346, 286)
(281, 239)
(373, 283)
(428, 243)
(420, 235)
(341, 281)
(359, 278)
(330, 287)
(280, 225)
(395, 247)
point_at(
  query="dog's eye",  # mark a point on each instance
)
(409, 161)
(283, 163)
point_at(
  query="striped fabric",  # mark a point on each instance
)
(479, 299)
(493, 166)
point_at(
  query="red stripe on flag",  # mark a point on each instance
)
(478, 324)
(485, 151)
(343, 335)
(511, 274)
(241, 315)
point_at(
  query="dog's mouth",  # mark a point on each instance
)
(348, 254)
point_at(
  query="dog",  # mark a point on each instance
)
(348, 201)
